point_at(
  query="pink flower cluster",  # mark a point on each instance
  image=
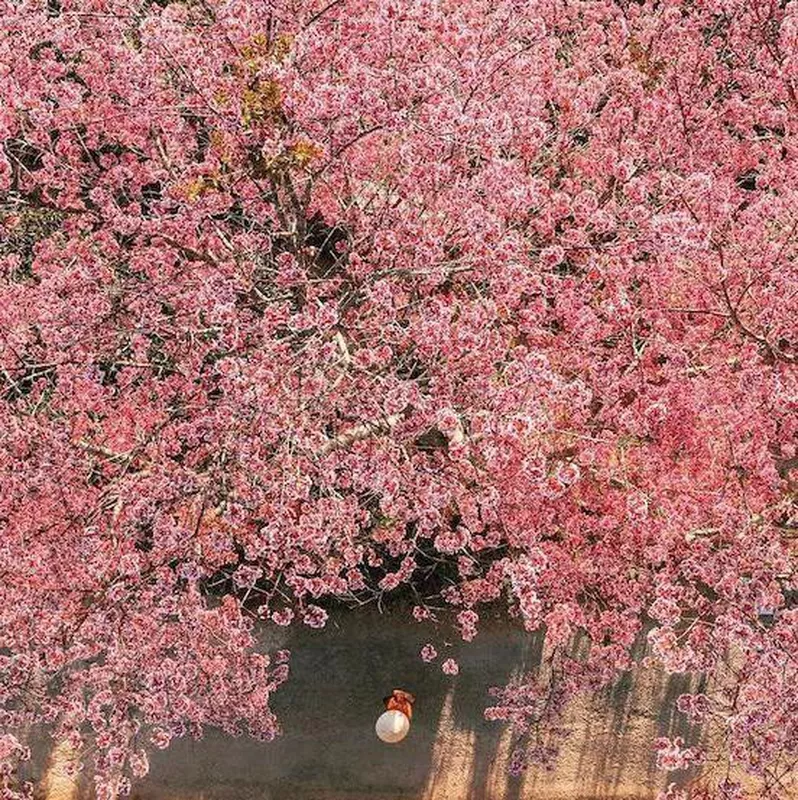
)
(672, 755)
(450, 667)
(428, 653)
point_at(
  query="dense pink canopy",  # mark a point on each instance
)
(300, 298)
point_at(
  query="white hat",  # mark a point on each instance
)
(392, 726)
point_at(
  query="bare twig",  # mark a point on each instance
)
(366, 430)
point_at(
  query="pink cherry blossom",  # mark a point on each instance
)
(313, 304)
(314, 617)
(450, 667)
(428, 653)
(283, 617)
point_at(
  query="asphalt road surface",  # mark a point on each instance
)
(329, 750)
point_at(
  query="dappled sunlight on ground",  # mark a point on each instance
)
(59, 783)
(453, 770)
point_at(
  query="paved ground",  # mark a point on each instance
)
(329, 750)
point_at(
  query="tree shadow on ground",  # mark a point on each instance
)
(329, 751)
(328, 708)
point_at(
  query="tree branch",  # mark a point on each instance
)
(367, 430)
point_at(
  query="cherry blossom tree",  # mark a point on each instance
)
(487, 301)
